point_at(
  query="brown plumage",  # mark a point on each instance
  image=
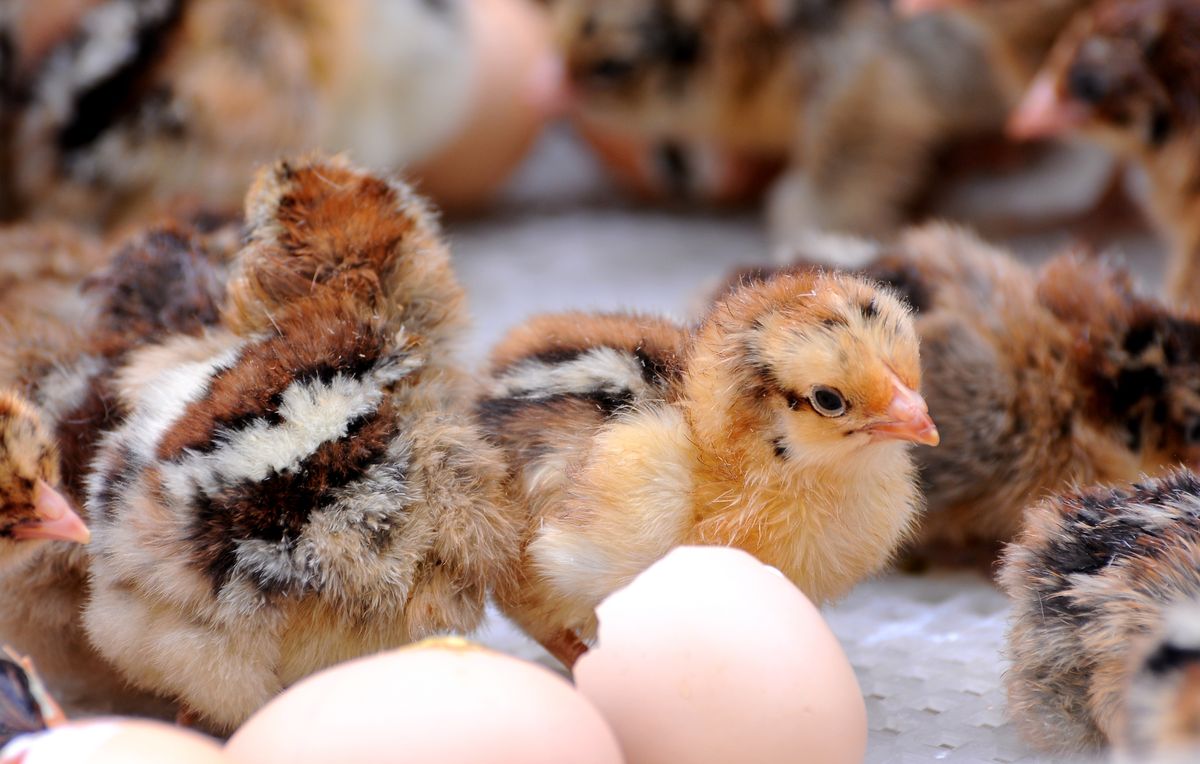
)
(778, 425)
(301, 483)
(117, 107)
(859, 102)
(62, 359)
(1127, 73)
(1105, 636)
(1038, 380)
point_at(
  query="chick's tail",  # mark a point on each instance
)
(319, 226)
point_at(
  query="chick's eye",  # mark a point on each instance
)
(827, 401)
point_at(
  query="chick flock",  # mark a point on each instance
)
(261, 419)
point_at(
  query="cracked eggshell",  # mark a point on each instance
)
(442, 701)
(711, 656)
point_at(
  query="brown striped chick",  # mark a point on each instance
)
(1104, 642)
(859, 104)
(780, 425)
(1127, 73)
(123, 105)
(1038, 380)
(164, 281)
(302, 484)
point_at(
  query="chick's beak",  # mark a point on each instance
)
(1043, 113)
(907, 418)
(56, 520)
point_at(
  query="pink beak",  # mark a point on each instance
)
(907, 418)
(916, 7)
(56, 520)
(1044, 114)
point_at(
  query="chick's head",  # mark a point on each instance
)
(828, 364)
(30, 507)
(1127, 72)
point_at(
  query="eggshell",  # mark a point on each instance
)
(518, 86)
(114, 741)
(438, 702)
(711, 656)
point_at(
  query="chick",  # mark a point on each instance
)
(1038, 380)
(301, 484)
(860, 103)
(168, 280)
(31, 508)
(1103, 638)
(1162, 705)
(1128, 74)
(122, 105)
(779, 425)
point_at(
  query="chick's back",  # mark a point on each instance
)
(302, 484)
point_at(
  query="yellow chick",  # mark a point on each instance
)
(779, 425)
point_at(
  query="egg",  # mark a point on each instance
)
(518, 86)
(711, 656)
(442, 701)
(114, 741)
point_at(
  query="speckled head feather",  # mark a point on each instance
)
(1091, 580)
(768, 339)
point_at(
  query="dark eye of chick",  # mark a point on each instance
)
(827, 401)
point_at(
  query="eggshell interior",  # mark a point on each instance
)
(711, 656)
(445, 702)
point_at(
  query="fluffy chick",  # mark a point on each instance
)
(1038, 380)
(1103, 638)
(301, 484)
(118, 106)
(168, 280)
(859, 103)
(1127, 73)
(779, 425)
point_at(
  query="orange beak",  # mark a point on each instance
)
(907, 418)
(1043, 113)
(56, 520)
(916, 7)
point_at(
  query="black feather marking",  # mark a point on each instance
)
(1169, 657)
(104, 102)
(277, 509)
(20, 711)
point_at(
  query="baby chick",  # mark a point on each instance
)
(122, 105)
(859, 102)
(779, 425)
(1128, 73)
(301, 484)
(1038, 380)
(31, 508)
(1104, 634)
(63, 360)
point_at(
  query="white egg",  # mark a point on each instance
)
(114, 741)
(711, 656)
(438, 702)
